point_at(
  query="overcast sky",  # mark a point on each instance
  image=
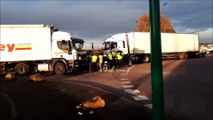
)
(94, 20)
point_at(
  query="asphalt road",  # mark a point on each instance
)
(188, 87)
(55, 99)
(188, 94)
(25, 100)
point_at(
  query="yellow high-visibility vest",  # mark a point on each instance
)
(100, 59)
(109, 56)
(94, 58)
(119, 56)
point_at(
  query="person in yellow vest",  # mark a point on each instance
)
(110, 59)
(94, 59)
(100, 62)
(119, 58)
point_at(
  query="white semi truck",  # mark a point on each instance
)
(28, 47)
(137, 45)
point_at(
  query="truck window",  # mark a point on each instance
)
(78, 46)
(64, 45)
(107, 45)
(114, 45)
(123, 44)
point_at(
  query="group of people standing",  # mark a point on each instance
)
(102, 61)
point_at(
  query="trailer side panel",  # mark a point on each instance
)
(25, 43)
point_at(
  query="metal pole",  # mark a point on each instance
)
(158, 112)
(129, 55)
(92, 45)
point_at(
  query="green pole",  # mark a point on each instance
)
(158, 112)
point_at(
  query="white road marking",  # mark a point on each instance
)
(140, 97)
(130, 69)
(124, 74)
(132, 91)
(149, 105)
(128, 90)
(108, 70)
(136, 91)
(123, 79)
(127, 86)
(125, 82)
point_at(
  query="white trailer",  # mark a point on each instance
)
(41, 47)
(137, 44)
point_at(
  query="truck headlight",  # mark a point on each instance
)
(79, 58)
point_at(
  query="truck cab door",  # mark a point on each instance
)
(122, 46)
(63, 49)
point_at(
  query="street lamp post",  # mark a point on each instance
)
(156, 62)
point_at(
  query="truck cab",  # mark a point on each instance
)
(119, 41)
(25, 48)
(67, 52)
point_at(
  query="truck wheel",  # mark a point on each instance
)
(22, 68)
(183, 56)
(59, 69)
(146, 59)
(186, 56)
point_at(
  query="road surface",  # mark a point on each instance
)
(188, 86)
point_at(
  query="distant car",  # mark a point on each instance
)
(209, 48)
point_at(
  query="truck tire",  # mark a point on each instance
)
(146, 59)
(59, 68)
(186, 56)
(183, 56)
(21, 68)
(180, 56)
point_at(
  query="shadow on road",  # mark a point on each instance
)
(188, 89)
(22, 99)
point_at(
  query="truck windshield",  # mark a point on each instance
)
(107, 45)
(78, 46)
